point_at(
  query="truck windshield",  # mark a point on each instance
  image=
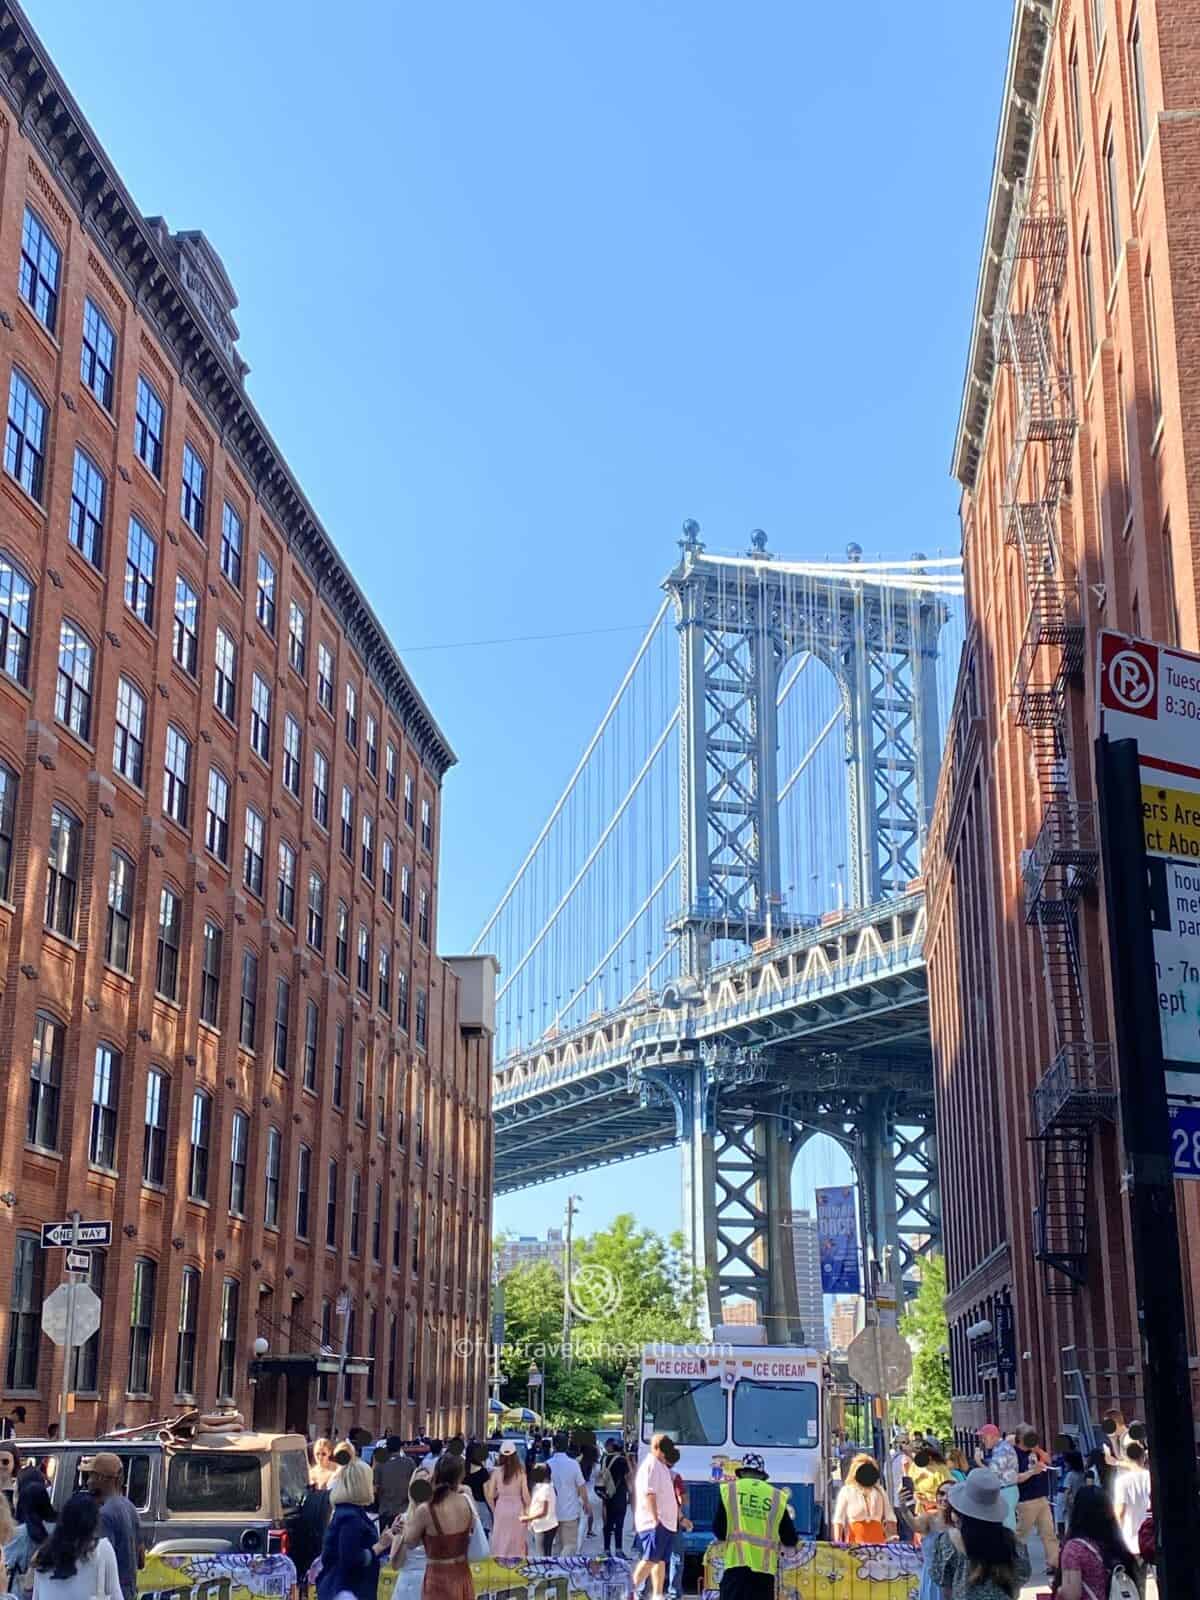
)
(691, 1410)
(766, 1414)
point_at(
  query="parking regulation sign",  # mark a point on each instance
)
(1152, 694)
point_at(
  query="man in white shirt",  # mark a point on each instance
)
(570, 1491)
(655, 1513)
(1131, 1493)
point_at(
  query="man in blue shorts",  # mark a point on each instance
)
(655, 1513)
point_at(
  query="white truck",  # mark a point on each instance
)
(718, 1401)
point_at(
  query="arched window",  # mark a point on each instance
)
(16, 607)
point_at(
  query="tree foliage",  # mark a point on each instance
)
(927, 1403)
(632, 1288)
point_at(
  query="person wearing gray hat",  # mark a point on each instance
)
(991, 1562)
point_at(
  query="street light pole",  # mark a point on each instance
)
(572, 1202)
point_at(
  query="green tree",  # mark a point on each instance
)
(926, 1405)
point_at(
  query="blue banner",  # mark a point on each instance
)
(837, 1234)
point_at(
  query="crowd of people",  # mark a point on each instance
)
(90, 1548)
(973, 1521)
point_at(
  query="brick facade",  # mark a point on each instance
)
(1100, 111)
(411, 1119)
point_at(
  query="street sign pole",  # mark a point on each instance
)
(1148, 1176)
(69, 1347)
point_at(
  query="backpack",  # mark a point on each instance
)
(606, 1484)
(1120, 1585)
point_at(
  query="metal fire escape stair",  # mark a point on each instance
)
(1076, 1089)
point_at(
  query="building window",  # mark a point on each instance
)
(192, 491)
(248, 1012)
(368, 848)
(8, 817)
(252, 863)
(339, 1061)
(62, 872)
(381, 1115)
(364, 959)
(341, 951)
(25, 1314)
(410, 1381)
(372, 1342)
(408, 799)
(372, 746)
(402, 999)
(416, 1236)
(388, 872)
(423, 916)
(303, 1183)
(225, 675)
(419, 1137)
(25, 440)
(426, 826)
(264, 602)
(210, 973)
(86, 1363)
(239, 1148)
(45, 1082)
(312, 1030)
(41, 263)
(352, 716)
(216, 815)
(16, 603)
(260, 718)
(360, 1086)
(154, 1133)
(397, 1235)
(389, 772)
(141, 556)
(129, 733)
(1152, 341)
(1112, 193)
(185, 1344)
(325, 678)
(331, 1205)
(201, 1139)
(1089, 291)
(286, 897)
(283, 1006)
(320, 795)
(1141, 103)
(271, 1198)
(141, 1325)
(185, 627)
(1076, 102)
(291, 755)
(422, 1029)
(347, 823)
(296, 632)
(119, 926)
(177, 768)
(231, 541)
(1098, 24)
(97, 359)
(166, 972)
(73, 686)
(355, 1212)
(227, 1340)
(86, 527)
(406, 897)
(393, 1339)
(148, 427)
(316, 911)
(106, 1090)
(385, 981)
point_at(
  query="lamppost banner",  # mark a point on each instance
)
(837, 1236)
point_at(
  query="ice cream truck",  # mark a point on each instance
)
(717, 1401)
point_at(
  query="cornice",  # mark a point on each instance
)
(136, 256)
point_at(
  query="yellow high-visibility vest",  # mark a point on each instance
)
(754, 1513)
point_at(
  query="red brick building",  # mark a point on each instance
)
(1078, 453)
(223, 1020)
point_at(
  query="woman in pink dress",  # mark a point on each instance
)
(508, 1495)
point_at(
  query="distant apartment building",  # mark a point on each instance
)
(806, 1254)
(739, 1313)
(844, 1321)
(530, 1251)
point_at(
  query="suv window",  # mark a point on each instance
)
(137, 1479)
(292, 1467)
(210, 1480)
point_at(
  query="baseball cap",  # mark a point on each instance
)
(508, 1448)
(104, 1463)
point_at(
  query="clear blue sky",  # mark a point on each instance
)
(523, 285)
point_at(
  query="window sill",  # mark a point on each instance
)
(168, 1000)
(134, 788)
(120, 972)
(61, 938)
(188, 679)
(149, 474)
(87, 570)
(195, 1200)
(209, 1027)
(154, 1188)
(42, 1150)
(37, 326)
(99, 1171)
(76, 737)
(98, 406)
(25, 501)
(146, 627)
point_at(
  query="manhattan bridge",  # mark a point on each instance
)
(716, 940)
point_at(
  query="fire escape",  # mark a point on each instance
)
(1076, 1090)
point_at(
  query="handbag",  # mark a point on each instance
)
(478, 1548)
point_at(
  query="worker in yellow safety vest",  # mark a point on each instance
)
(753, 1519)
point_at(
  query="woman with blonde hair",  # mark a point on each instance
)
(324, 1467)
(351, 1551)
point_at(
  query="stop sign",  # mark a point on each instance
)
(56, 1309)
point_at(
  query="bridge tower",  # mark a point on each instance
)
(739, 623)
